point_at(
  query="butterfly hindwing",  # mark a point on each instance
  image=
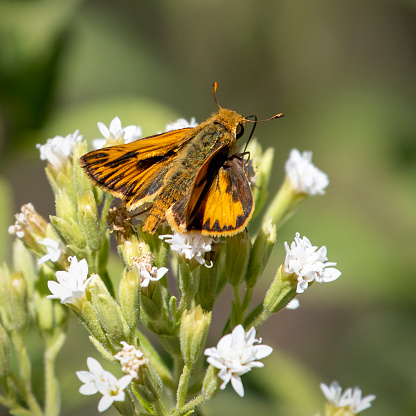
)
(225, 205)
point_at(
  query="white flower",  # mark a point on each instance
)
(190, 245)
(116, 133)
(309, 263)
(181, 123)
(100, 380)
(147, 271)
(71, 284)
(53, 249)
(131, 359)
(59, 149)
(350, 399)
(293, 304)
(304, 177)
(235, 355)
(28, 223)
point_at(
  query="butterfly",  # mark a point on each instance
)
(193, 178)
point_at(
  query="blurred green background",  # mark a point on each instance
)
(344, 74)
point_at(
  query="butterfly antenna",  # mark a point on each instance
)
(252, 130)
(280, 115)
(215, 94)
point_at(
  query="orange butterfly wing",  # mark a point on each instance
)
(223, 204)
(134, 171)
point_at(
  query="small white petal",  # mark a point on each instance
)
(104, 403)
(237, 385)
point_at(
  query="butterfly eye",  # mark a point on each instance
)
(239, 131)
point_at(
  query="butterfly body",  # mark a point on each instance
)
(191, 177)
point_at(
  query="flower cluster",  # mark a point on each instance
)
(98, 380)
(190, 245)
(308, 263)
(115, 134)
(73, 249)
(350, 400)
(235, 355)
(148, 272)
(131, 359)
(304, 177)
(59, 149)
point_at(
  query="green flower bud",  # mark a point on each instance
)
(189, 273)
(238, 249)
(211, 383)
(5, 356)
(259, 175)
(89, 220)
(260, 253)
(194, 328)
(65, 206)
(108, 311)
(68, 232)
(49, 315)
(129, 298)
(82, 183)
(18, 307)
(281, 291)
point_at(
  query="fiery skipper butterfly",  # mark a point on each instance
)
(192, 178)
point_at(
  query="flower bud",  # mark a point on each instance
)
(211, 383)
(18, 308)
(129, 298)
(108, 311)
(260, 253)
(82, 183)
(189, 273)
(89, 220)
(238, 249)
(65, 206)
(261, 166)
(194, 328)
(68, 232)
(281, 291)
(5, 356)
(29, 227)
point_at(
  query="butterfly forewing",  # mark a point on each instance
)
(134, 171)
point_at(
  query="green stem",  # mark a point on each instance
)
(25, 373)
(194, 403)
(52, 390)
(159, 408)
(265, 314)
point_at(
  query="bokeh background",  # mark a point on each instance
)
(343, 72)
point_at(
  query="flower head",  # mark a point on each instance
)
(53, 248)
(116, 134)
(131, 359)
(59, 149)
(147, 271)
(309, 263)
(235, 355)
(181, 123)
(303, 175)
(100, 380)
(350, 400)
(71, 284)
(30, 227)
(190, 245)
